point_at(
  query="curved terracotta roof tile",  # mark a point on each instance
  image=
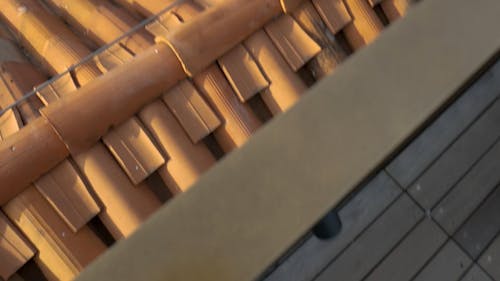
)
(197, 46)
(48, 39)
(89, 155)
(292, 41)
(62, 254)
(395, 9)
(102, 22)
(18, 150)
(67, 193)
(146, 7)
(15, 250)
(62, 187)
(239, 120)
(243, 73)
(67, 51)
(334, 13)
(33, 214)
(286, 86)
(193, 113)
(319, 28)
(19, 78)
(365, 25)
(185, 159)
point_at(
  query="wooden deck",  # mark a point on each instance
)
(432, 214)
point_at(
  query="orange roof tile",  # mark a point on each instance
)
(87, 143)
(292, 41)
(15, 251)
(66, 191)
(243, 73)
(193, 113)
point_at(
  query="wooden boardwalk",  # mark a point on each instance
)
(432, 214)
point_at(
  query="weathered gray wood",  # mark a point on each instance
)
(448, 265)
(373, 244)
(411, 255)
(476, 274)
(454, 163)
(482, 227)
(466, 196)
(490, 260)
(410, 163)
(308, 260)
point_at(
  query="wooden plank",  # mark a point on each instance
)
(299, 166)
(411, 255)
(454, 209)
(490, 260)
(409, 164)
(377, 241)
(448, 265)
(476, 274)
(454, 163)
(356, 215)
(482, 227)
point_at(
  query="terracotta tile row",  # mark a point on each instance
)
(107, 178)
(132, 150)
(15, 251)
(192, 157)
(53, 214)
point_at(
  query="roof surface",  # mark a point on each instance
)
(151, 112)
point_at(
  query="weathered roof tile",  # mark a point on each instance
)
(62, 254)
(15, 250)
(57, 89)
(243, 73)
(10, 122)
(65, 190)
(192, 111)
(334, 13)
(292, 41)
(286, 86)
(134, 150)
(112, 57)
